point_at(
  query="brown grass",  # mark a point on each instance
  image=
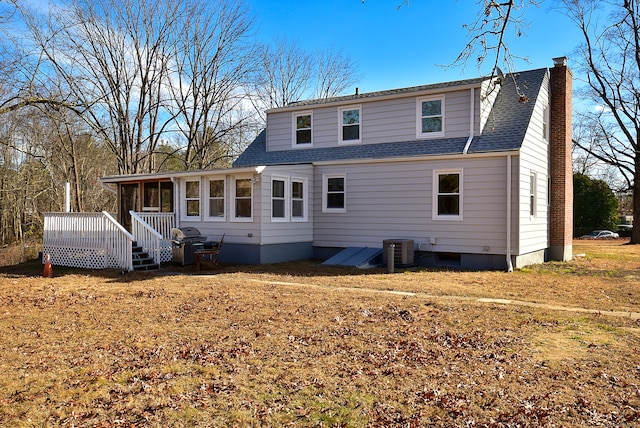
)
(304, 345)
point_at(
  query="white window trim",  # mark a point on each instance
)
(533, 204)
(325, 188)
(340, 124)
(419, 133)
(546, 122)
(286, 199)
(294, 136)
(208, 216)
(305, 199)
(183, 201)
(233, 199)
(435, 215)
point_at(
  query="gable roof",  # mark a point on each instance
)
(440, 87)
(505, 129)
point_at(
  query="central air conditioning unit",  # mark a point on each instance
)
(403, 251)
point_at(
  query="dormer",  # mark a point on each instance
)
(445, 110)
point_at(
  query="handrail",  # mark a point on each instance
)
(121, 250)
(160, 222)
(147, 237)
(118, 226)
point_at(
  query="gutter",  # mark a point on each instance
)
(181, 174)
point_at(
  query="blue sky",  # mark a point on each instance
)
(397, 48)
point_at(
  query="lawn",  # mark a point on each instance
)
(300, 344)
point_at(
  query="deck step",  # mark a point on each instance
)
(141, 259)
(145, 267)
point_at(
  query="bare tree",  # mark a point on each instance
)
(284, 74)
(211, 60)
(610, 59)
(287, 73)
(335, 73)
(141, 69)
(497, 20)
(111, 56)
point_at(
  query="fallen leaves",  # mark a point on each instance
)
(85, 350)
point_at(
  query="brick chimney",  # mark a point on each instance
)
(560, 165)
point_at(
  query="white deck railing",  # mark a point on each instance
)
(152, 232)
(87, 240)
(160, 222)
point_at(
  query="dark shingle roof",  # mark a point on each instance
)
(505, 130)
(509, 119)
(385, 93)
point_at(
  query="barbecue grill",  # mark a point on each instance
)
(185, 241)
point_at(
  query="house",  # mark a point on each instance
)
(473, 174)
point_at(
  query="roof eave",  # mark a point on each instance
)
(182, 174)
(355, 99)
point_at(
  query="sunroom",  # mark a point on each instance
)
(263, 212)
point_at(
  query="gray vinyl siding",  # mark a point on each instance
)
(394, 201)
(260, 230)
(382, 121)
(236, 232)
(285, 231)
(534, 153)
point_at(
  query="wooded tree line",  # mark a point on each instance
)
(90, 88)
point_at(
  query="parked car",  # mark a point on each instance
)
(625, 230)
(601, 234)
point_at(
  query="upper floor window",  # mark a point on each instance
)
(350, 124)
(303, 128)
(242, 199)
(447, 195)
(192, 199)
(430, 117)
(216, 199)
(334, 193)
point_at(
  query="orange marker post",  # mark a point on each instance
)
(48, 270)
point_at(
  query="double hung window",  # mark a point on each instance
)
(242, 199)
(216, 199)
(430, 117)
(302, 123)
(288, 201)
(334, 193)
(350, 123)
(298, 209)
(447, 195)
(533, 197)
(278, 199)
(192, 199)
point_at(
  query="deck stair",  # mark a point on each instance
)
(142, 260)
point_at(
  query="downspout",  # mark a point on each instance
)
(176, 201)
(471, 121)
(509, 167)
